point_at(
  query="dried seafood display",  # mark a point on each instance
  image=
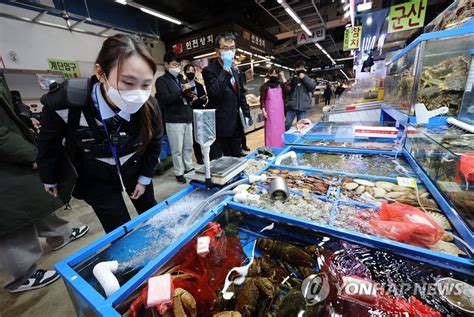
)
(443, 84)
(302, 182)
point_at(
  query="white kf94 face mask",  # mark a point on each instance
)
(129, 101)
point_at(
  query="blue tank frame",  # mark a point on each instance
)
(87, 299)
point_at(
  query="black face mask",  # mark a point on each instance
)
(273, 79)
(190, 76)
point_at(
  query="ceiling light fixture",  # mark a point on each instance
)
(150, 11)
(292, 14)
(344, 74)
(204, 55)
(305, 28)
(344, 59)
(347, 7)
(161, 16)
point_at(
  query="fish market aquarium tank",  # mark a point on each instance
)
(445, 155)
(432, 70)
(445, 69)
(399, 81)
(256, 266)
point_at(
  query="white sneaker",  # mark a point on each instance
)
(75, 234)
(39, 279)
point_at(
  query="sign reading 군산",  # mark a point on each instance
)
(352, 38)
(406, 16)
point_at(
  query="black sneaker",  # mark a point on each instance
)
(75, 234)
(246, 148)
(181, 179)
(39, 279)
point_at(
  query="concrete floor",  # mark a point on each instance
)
(53, 300)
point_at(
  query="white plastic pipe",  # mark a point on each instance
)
(245, 197)
(462, 125)
(104, 273)
(291, 154)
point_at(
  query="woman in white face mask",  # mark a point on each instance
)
(112, 128)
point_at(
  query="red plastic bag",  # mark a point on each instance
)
(407, 224)
(367, 293)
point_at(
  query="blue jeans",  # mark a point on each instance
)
(290, 116)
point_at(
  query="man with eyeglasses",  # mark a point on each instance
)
(225, 89)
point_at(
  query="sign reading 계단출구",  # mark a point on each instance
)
(406, 16)
(68, 68)
(352, 38)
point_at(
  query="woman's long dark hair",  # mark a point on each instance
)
(114, 52)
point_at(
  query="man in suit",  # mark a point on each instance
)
(175, 96)
(225, 90)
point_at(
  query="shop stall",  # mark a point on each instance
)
(381, 203)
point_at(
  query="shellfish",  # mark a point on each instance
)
(440, 219)
(364, 182)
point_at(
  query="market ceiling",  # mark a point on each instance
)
(266, 18)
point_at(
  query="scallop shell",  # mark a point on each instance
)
(379, 192)
(447, 237)
(398, 188)
(364, 182)
(385, 185)
(440, 219)
(351, 186)
(367, 197)
(360, 190)
(394, 195)
(446, 247)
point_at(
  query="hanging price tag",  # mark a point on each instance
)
(407, 182)
(203, 246)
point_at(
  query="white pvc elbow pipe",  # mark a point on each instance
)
(291, 154)
(460, 124)
(104, 273)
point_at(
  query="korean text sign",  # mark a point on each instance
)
(352, 38)
(68, 68)
(406, 16)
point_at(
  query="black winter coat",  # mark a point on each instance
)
(224, 99)
(54, 129)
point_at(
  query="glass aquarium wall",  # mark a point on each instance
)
(452, 174)
(445, 69)
(400, 81)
